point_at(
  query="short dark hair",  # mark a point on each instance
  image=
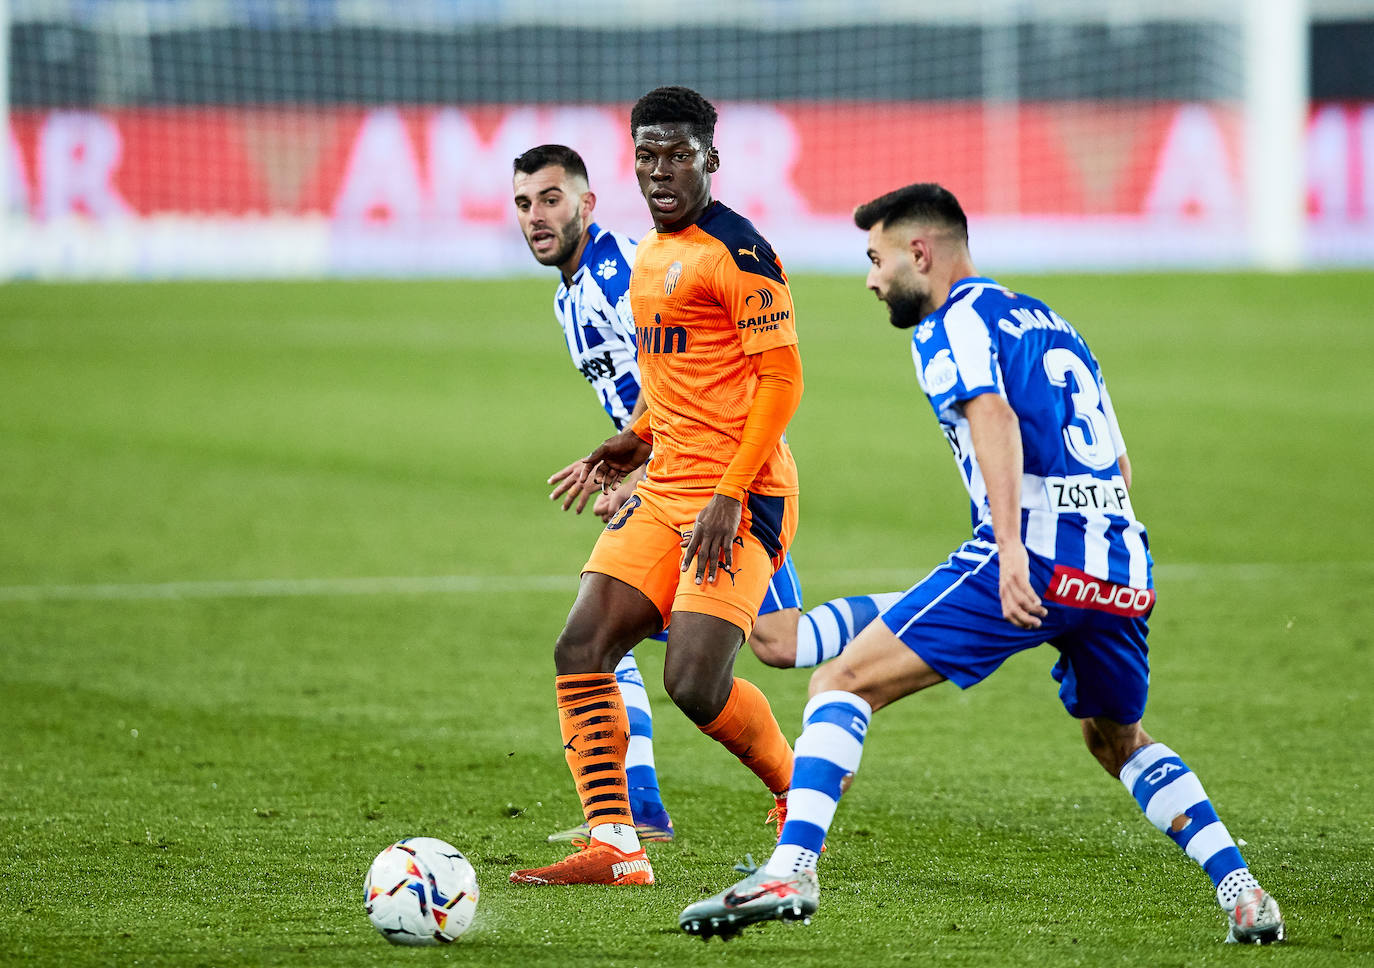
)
(537, 159)
(667, 105)
(921, 202)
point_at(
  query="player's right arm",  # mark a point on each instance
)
(996, 434)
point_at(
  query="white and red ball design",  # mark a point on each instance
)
(421, 891)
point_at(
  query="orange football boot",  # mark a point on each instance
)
(594, 863)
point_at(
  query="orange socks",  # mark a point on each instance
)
(596, 735)
(747, 728)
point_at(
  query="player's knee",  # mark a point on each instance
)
(1112, 743)
(575, 653)
(830, 676)
(699, 697)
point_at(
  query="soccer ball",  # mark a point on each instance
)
(420, 891)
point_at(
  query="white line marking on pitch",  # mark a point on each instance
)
(508, 584)
(288, 588)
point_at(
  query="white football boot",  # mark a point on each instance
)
(1255, 919)
(759, 897)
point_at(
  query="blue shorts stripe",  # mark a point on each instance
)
(641, 723)
(784, 588)
(802, 834)
(814, 773)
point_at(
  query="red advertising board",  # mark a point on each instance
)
(446, 170)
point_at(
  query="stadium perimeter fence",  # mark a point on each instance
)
(208, 138)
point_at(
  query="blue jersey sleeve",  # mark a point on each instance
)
(956, 357)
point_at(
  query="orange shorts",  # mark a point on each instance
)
(642, 546)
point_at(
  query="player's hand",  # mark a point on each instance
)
(568, 488)
(1021, 606)
(607, 504)
(608, 465)
(712, 540)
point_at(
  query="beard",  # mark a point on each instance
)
(568, 237)
(906, 309)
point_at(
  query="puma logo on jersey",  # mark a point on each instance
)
(752, 252)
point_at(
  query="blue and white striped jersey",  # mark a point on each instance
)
(1075, 507)
(597, 323)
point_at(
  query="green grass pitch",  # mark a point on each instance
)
(215, 712)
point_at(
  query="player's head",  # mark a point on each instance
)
(674, 130)
(917, 239)
(553, 203)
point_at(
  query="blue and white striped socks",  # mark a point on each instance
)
(824, 631)
(827, 754)
(1174, 801)
(646, 802)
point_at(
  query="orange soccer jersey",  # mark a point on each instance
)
(706, 299)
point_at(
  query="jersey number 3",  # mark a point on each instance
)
(1088, 435)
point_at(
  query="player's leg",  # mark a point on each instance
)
(652, 821)
(646, 800)
(1104, 678)
(625, 588)
(709, 624)
(786, 638)
(1174, 801)
(948, 626)
(877, 669)
(699, 676)
(774, 639)
(827, 629)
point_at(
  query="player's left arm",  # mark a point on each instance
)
(775, 400)
(753, 291)
(996, 434)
